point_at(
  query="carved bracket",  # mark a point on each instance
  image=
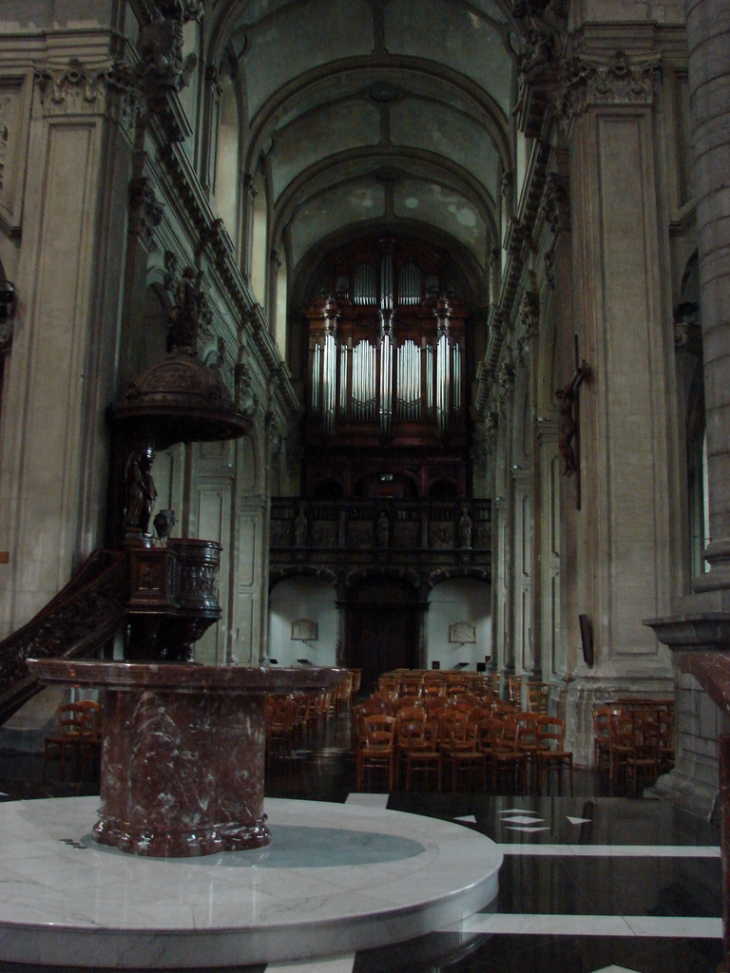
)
(146, 211)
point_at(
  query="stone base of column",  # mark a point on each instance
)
(589, 689)
(694, 782)
(687, 792)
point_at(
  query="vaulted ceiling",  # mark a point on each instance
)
(376, 112)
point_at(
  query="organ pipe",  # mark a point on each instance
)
(442, 383)
(316, 377)
(457, 378)
(386, 382)
(329, 381)
(343, 380)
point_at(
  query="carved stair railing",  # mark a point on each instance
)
(712, 672)
(81, 619)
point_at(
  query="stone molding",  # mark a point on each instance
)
(587, 81)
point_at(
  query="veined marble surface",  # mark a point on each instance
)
(342, 878)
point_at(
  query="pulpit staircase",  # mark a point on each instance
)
(82, 618)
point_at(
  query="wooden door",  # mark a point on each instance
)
(382, 630)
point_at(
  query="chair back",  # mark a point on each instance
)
(463, 736)
(411, 735)
(503, 735)
(410, 713)
(91, 711)
(71, 719)
(379, 732)
(550, 733)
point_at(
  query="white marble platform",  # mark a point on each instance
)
(335, 879)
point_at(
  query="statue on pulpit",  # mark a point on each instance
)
(140, 493)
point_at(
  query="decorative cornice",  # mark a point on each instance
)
(591, 81)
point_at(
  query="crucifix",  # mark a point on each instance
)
(569, 409)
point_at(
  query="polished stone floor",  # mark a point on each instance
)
(593, 882)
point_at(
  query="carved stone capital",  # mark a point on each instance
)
(590, 81)
(145, 210)
(81, 90)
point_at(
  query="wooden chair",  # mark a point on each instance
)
(405, 716)
(514, 689)
(378, 748)
(666, 740)
(72, 721)
(551, 753)
(90, 742)
(420, 747)
(602, 736)
(465, 756)
(621, 736)
(538, 697)
(528, 743)
(643, 758)
(504, 753)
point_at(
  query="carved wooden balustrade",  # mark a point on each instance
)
(426, 536)
(163, 598)
(82, 618)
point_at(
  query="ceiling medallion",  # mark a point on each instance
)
(383, 92)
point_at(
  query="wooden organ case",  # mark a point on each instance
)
(386, 377)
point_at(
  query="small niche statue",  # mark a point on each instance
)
(182, 334)
(140, 494)
(300, 528)
(465, 528)
(383, 528)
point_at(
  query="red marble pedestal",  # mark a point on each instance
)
(183, 749)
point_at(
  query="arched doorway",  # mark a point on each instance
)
(382, 628)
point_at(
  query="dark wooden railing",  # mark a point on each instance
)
(82, 618)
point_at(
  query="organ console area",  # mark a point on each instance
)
(387, 369)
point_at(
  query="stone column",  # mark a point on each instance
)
(623, 525)
(708, 35)
(60, 376)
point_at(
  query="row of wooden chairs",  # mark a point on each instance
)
(78, 735)
(435, 682)
(520, 747)
(296, 720)
(634, 739)
(417, 682)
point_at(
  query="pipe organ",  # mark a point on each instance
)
(387, 352)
